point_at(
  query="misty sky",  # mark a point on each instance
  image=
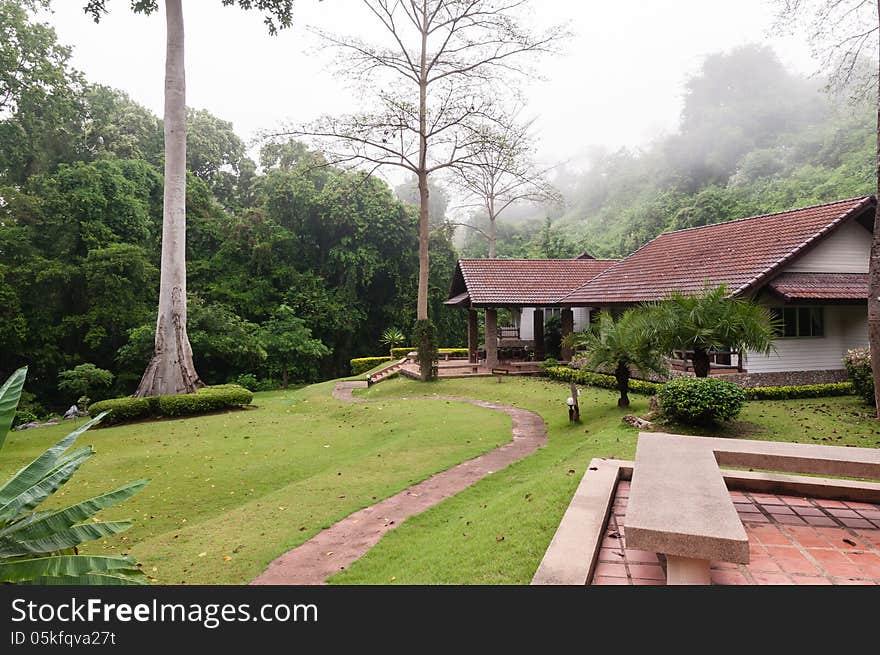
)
(620, 82)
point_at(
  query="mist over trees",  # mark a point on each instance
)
(753, 138)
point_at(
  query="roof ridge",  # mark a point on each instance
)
(531, 259)
(752, 218)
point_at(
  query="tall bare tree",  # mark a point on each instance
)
(433, 81)
(845, 35)
(171, 369)
(503, 174)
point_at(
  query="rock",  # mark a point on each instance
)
(637, 422)
(36, 424)
(654, 404)
(72, 412)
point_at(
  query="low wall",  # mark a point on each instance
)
(786, 378)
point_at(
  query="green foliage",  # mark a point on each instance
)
(707, 320)
(858, 369)
(247, 380)
(620, 344)
(701, 401)
(392, 337)
(84, 379)
(23, 416)
(399, 353)
(38, 547)
(600, 380)
(800, 391)
(289, 345)
(361, 365)
(123, 410)
(206, 399)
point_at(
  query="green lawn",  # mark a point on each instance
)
(232, 491)
(497, 530)
(251, 484)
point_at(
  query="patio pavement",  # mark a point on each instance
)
(792, 540)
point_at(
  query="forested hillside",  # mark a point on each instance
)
(753, 138)
(282, 247)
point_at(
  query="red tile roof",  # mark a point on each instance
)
(526, 282)
(740, 253)
(821, 286)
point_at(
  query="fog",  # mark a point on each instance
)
(618, 84)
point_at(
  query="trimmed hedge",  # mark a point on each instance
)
(858, 369)
(701, 401)
(364, 364)
(399, 353)
(591, 379)
(800, 391)
(206, 399)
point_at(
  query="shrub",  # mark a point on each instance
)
(800, 391)
(591, 379)
(122, 410)
(247, 380)
(399, 353)
(206, 399)
(364, 364)
(23, 416)
(858, 369)
(549, 363)
(701, 401)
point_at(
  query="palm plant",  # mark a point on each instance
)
(620, 345)
(710, 319)
(40, 547)
(392, 337)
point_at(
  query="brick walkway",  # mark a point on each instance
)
(792, 541)
(336, 547)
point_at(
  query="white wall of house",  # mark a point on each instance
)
(846, 326)
(527, 320)
(847, 250)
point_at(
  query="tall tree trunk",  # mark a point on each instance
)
(491, 237)
(622, 376)
(874, 269)
(701, 363)
(171, 370)
(426, 335)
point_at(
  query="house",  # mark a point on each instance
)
(529, 289)
(810, 265)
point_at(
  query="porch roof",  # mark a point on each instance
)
(520, 282)
(821, 286)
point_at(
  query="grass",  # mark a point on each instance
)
(497, 530)
(231, 491)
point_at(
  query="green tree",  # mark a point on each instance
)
(392, 337)
(40, 95)
(710, 319)
(171, 369)
(84, 379)
(39, 547)
(289, 344)
(619, 345)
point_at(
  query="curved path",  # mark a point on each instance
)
(338, 546)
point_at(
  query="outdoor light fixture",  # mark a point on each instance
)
(570, 401)
(574, 410)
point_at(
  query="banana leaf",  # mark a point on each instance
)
(72, 536)
(48, 523)
(72, 569)
(10, 393)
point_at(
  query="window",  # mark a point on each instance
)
(796, 322)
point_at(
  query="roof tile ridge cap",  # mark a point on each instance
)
(861, 199)
(818, 235)
(616, 262)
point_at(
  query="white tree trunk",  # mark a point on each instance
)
(171, 370)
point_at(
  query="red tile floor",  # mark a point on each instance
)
(792, 541)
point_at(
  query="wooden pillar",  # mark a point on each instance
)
(473, 337)
(491, 337)
(538, 331)
(567, 328)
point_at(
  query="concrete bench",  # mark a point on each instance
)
(679, 504)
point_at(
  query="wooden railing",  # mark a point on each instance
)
(511, 332)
